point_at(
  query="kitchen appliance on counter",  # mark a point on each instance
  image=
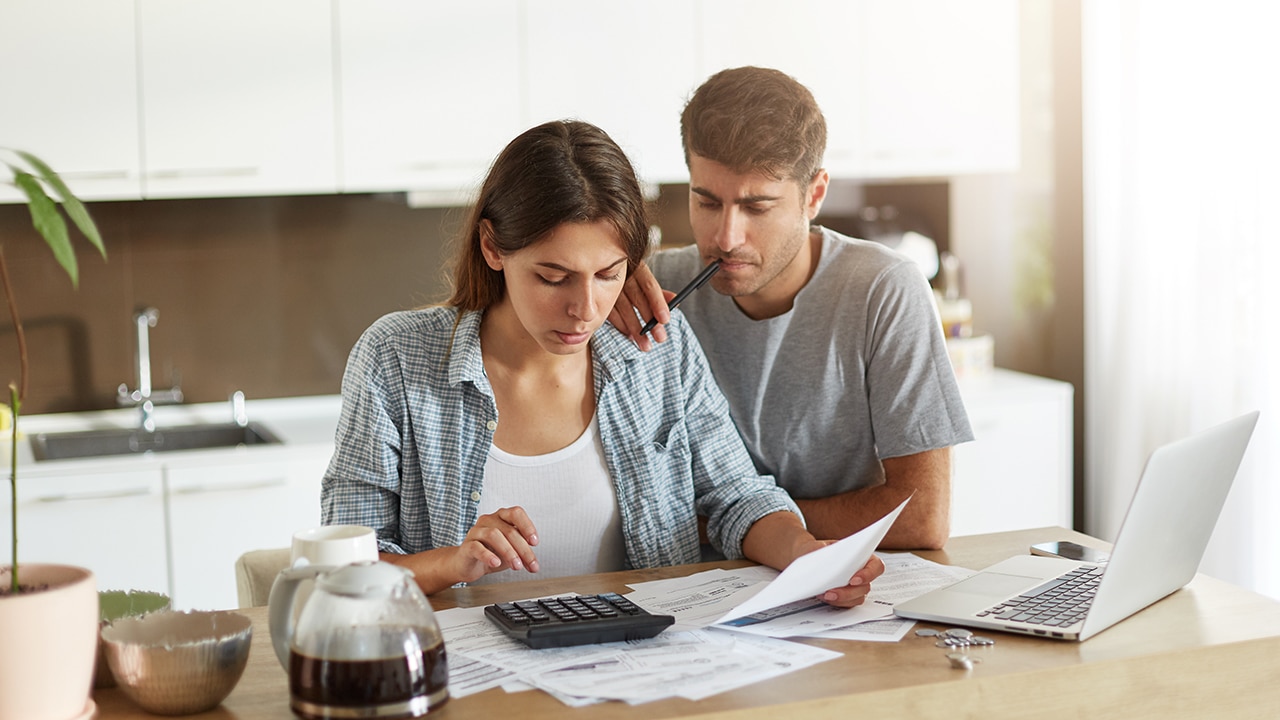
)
(895, 228)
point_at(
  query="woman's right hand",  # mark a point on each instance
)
(502, 540)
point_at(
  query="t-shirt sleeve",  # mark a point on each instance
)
(915, 400)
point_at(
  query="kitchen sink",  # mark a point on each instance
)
(134, 441)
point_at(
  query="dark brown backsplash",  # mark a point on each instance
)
(264, 295)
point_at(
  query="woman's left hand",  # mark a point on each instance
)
(855, 592)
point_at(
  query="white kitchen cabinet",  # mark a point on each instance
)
(939, 87)
(174, 522)
(219, 511)
(68, 76)
(628, 71)
(908, 87)
(1017, 473)
(109, 522)
(237, 97)
(206, 98)
(811, 41)
(429, 92)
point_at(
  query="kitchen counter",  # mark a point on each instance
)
(303, 424)
(176, 521)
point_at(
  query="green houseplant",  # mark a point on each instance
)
(49, 618)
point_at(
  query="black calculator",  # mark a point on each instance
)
(576, 620)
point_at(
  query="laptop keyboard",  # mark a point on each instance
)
(1060, 602)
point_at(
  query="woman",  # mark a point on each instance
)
(502, 422)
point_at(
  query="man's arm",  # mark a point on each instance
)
(925, 523)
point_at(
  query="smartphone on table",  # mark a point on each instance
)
(1070, 551)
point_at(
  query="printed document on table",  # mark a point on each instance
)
(810, 575)
(905, 576)
(697, 600)
(692, 664)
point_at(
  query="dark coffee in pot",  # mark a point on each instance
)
(394, 687)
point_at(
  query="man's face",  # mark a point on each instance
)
(758, 228)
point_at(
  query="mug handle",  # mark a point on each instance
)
(280, 606)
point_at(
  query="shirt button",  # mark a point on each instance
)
(492, 425)
(475, 496)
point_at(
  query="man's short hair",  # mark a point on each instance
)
(753, 119)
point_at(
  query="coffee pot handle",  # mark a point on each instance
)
(280, 614)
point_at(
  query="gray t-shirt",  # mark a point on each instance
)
(856, 371)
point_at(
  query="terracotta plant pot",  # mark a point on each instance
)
(48, 641)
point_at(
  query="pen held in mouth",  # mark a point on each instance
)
(694, 284)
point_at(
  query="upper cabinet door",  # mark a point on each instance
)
(68, 76)
(237, 97)
(625, 67)
(908, 87)
(430, 92)
(940, 86)
(806, 39)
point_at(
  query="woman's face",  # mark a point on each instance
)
(563, 287)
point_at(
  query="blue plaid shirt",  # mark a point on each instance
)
(418, 418)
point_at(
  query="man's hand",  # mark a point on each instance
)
(641, 293)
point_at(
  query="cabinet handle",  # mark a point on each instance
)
(202, 173)
(103, 495)
(254, 485)
(75, 176)
(432, 165)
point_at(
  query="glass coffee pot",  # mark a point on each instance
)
(366, 643)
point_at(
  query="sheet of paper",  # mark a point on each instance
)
(823, 569)
(891, 629)
(811, 620)
(698, 600)
(692, 665)
(905, 576)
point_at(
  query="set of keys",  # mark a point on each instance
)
(957, 639)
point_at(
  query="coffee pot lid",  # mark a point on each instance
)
(363, 579)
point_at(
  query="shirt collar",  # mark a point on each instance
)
(465, 362)
(612, 351)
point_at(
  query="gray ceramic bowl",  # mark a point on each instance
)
(174, 663)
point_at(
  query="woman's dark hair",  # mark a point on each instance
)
(564, 171)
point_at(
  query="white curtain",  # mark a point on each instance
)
(1181, 106)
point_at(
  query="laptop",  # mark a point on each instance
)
(1157, 551)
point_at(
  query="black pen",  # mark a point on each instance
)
(694, 284)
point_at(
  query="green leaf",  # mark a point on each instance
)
(49, 223)
(75, 209)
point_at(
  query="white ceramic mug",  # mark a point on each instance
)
(333, 545)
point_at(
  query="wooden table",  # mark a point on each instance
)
(1209, 650)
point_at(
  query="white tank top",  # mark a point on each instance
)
(570, 498)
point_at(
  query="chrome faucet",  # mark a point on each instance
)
(146, 397)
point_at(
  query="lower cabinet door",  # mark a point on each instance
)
(1016, 474)
(111, 523)
(218, 513)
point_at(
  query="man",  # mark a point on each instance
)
(829, 349)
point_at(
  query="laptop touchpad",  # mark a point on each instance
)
(994, 584)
